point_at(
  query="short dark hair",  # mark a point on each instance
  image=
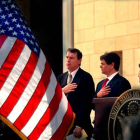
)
(111, 57)
(73, 50)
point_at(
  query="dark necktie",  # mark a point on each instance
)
(104, 83)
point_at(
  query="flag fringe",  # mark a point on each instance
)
(6, 121)
(70, 126)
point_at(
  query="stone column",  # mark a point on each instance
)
(68, 28)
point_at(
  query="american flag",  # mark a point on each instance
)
(31, 100)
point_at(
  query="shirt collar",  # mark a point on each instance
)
(111, 76)
(74, 73)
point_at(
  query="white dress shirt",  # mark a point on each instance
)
(111, 77)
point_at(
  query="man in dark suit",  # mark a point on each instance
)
(79, 92)
(115, 84)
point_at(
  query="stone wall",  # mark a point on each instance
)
(108, 25)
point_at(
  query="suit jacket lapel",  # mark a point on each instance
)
(65, 79)
(113, 79)
(76, 77)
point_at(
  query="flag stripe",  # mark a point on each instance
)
(36, 98)
(56, 120)
(29, 89)
(2, 40)
(6, 44)
(51, 110)
(42, 107)
(14, 74)
(21, 84)
(64, 126)
(10, 60)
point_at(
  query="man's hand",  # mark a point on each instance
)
(69, 88)
(77, 132)
(104, 91)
